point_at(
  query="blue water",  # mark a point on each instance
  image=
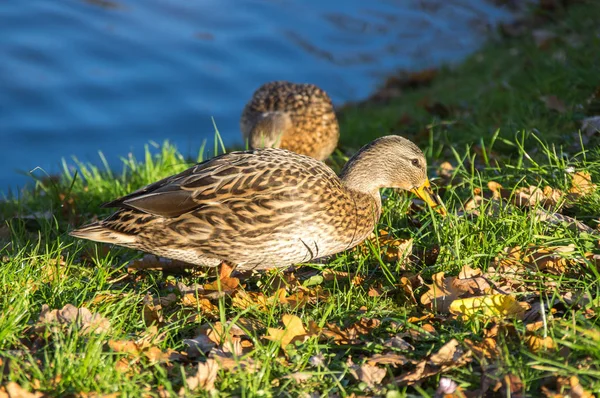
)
(78, 76)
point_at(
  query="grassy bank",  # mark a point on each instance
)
(500, 297)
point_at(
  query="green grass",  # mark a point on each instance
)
(500, 131)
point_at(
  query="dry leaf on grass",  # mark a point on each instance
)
(204, 379)
(369, 374)
(556, 219)
(13, 390)
(389, 358)
(299, 377)
(202, 304)
(581, 184)
(350, 334)
(492, 306)
(70, 315)
(399, 343)
(232, 362)
(134, 350)
(392, 249)
(228, 337)
(293, 331)
(537, 343)
(224, 283)
(442, 292)
(449, 356)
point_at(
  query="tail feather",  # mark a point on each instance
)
(100, 233)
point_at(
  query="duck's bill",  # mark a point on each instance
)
(425, 193)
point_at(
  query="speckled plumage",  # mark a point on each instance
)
(260, 209)
(300, 117)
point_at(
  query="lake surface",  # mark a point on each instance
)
(79, 76)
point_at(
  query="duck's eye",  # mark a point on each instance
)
(415, 162)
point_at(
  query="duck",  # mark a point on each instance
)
(298, 117)
(264, 208)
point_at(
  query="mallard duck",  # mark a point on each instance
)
(264, 208)
(296, 117)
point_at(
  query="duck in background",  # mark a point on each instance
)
(292, 116)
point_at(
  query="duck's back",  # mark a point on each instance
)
(315, 129)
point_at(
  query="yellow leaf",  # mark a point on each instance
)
(536, 343)
(495, 305)
(293, 329)
(582, 184)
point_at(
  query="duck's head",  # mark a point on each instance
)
(390, 162)
(269, 129)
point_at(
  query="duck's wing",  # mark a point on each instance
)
(235, 175)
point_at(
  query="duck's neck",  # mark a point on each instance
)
(362, 178)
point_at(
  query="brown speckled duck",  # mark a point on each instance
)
(264, 208)
(296, 117)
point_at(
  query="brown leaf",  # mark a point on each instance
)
(487, 348)
(556, 218)
(225, 282)
(389, 358)
(204, 379)
(202, 304)
(449, 356)
(371, 375)
(231, 362)
(70, 315)
(293, 330)
(582, 184)
(200, 344)
(537, 343)
(552, 102)
(299, 377)
(134, 350)
(398, 342)
(442, 292)
(350, 334)
(13, 390)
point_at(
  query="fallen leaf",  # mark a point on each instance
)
(299, 377)
(441, 293)
(134, 350)
(70, 315)
(204, 379)
(557, 219)
(293, 330)
(581, 184)
(449, 356)
(369, 374)
(224, 283)
(202, 304)
(494, 305)
(399, 343)
(200, 344)
(13, 390)
(389, 358)
(537, 343)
